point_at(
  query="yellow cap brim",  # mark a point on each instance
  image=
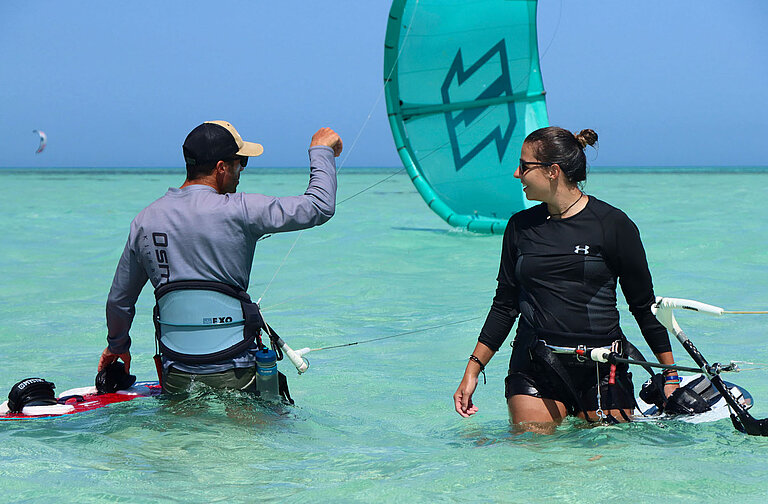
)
(250, 149)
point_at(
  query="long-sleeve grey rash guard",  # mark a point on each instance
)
(195, 233)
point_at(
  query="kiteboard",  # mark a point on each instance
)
(718, 407)
(79, 400)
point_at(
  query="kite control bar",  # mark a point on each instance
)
(605, 355)
(663, 309)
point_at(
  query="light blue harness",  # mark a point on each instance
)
(200, 322)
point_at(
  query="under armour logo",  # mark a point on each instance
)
(581, 249)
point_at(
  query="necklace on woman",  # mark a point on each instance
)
(581, 194)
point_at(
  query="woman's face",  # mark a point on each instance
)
(533, 174)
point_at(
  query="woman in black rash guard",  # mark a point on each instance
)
(560, 263)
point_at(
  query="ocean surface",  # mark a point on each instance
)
(373, 422)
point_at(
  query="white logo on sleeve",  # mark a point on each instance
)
(581, 249)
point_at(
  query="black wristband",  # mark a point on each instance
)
(473, 358)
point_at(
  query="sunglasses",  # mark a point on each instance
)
(243, 160)
(527, 165)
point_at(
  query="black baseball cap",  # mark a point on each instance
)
(216, 140)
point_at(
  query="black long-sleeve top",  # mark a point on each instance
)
(561, 275)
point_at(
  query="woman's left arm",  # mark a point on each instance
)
(637, 286)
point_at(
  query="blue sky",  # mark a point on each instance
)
(120, 84)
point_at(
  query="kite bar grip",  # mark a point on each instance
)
(599, 354)
(295, 356)
(688, 304)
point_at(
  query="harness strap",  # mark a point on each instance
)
(273, 337)
(546, 353)
(626, 392)
(282, 387)
(547, 356)
(634, 353)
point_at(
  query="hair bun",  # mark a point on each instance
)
(586, 137)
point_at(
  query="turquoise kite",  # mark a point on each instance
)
(463, 89)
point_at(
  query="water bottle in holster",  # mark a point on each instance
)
(267, 382)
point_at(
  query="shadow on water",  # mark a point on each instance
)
(576, 433)
(205, 403)
(451, 231)
(422, 230)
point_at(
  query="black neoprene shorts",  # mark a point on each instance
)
(537, 380)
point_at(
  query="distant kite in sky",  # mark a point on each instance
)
(43, 141)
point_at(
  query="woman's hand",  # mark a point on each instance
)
(462, 399)
(669, 388)
(668, 359)
(463, 396)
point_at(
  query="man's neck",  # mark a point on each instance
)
(210, 181)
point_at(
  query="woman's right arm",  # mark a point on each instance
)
(498, 324)
(463, 396)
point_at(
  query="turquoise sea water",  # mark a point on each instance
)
(373, 422)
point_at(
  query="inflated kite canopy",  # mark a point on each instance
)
(463, 89)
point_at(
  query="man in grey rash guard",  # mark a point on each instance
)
(206, 231)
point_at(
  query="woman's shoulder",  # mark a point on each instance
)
(611, 219)
(606, 211)
(529, 215)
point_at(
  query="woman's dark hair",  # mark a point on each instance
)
(558, 145)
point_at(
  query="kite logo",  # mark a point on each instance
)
(486, 79)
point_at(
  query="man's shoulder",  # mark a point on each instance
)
(158, 207)
(160, 202)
